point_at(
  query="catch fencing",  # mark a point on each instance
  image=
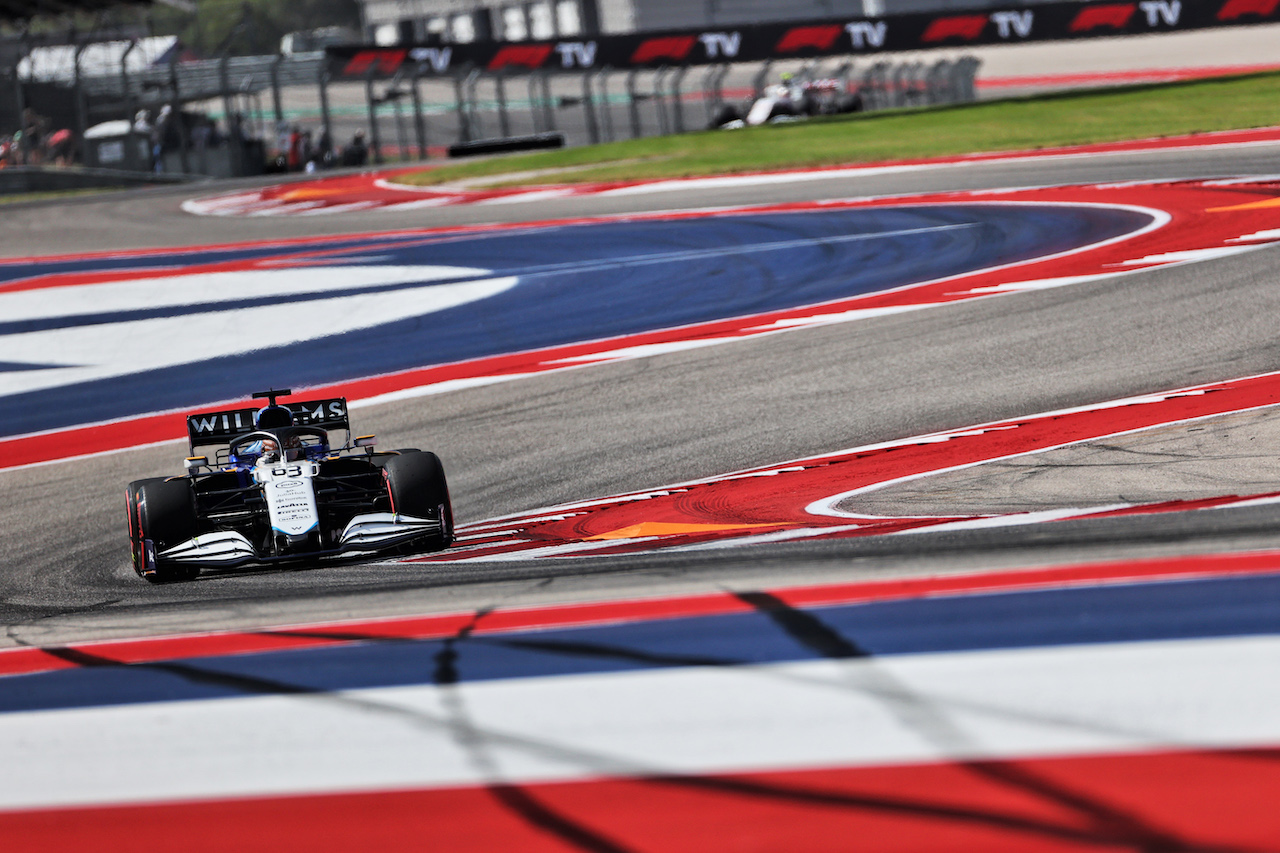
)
(408, 101)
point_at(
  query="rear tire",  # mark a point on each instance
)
(417, 486)
(164, 512)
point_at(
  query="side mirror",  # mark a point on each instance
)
(366, 440)
(194, 462)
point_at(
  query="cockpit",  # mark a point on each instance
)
(287, 444)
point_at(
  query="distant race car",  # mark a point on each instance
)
(276, 490)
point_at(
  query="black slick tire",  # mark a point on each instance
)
(134, 525)
(162, 512)
(417, 486)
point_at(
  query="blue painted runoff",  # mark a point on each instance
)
(770, 633)
(575, 283)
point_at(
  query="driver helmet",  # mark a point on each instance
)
(273, 417)
(293, 448)
(268, 451)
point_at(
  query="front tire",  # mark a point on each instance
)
(163, 513)
(135, 525)
(417, 486)
(380, 459)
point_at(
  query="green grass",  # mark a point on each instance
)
(1076, 118)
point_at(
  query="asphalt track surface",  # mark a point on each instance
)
(644, 423)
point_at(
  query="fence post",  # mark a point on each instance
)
(375, 138)
(82, 106)
(535, 102)
(634, 105)
(464, 123)
(500, 93)
(394, 93)
(678, 106)
(419, 122)
(900, 83)
(275, 89)
(472, 113)
(175, 115)
(589, 110)
(884, 97)
(967, 78)
(712, 97)
(235, 123)
(660, 100)
(548, 105)
(131, 144)
(19, 100)
(325, 119)
(603, 88)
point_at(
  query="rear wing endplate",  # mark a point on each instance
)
(209, 428)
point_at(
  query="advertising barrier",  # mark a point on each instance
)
(799, 40)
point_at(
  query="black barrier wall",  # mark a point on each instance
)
(782, 41)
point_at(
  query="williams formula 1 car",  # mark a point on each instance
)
(277, 490)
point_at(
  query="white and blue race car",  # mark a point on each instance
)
(277, 490)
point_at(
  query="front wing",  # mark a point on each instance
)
(370, 533)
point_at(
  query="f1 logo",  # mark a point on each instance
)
(1235, 9)
(380, 61)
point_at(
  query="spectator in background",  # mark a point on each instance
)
(282, 139)
(294, 157)
(158, 134)
(33, 137)
(61, 150)
(202, 134)
(325, 149)
(357, 153)
(142, 124)
(309, 154)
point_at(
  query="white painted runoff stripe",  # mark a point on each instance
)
(222, 326)
(1071, 700)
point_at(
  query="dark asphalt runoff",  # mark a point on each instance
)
(64, 567)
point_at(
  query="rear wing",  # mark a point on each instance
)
(209, 428)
